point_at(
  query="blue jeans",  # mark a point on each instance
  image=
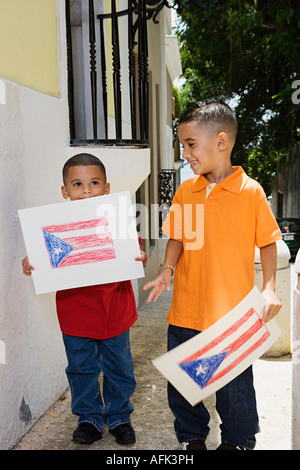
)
(235, 404)
(86, 359)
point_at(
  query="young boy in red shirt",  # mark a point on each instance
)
(95, 322)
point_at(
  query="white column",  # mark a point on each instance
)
(283, 290)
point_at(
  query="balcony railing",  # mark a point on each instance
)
(100, 97)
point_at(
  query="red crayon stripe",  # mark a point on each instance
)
(239, 359)
(89, 241)
(84, 225)
(89, 257)
(232, 329)
(244, 337)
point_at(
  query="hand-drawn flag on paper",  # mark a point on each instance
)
(208, 361)
(77, 243)
(201, 370)
(225, 352)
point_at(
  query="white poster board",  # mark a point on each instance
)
(207, 362)
(81, 243)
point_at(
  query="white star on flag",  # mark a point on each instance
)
(200, 370)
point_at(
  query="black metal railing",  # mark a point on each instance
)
(166, 188)
(137, 13)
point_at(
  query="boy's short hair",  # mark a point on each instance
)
(212, 112)
(82, 159)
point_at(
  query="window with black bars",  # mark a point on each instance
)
(108, 76)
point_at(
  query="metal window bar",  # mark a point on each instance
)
(116, 70)
(143, 68)
(167, 188)
(131, 63)
(93, 62)
(103, 76)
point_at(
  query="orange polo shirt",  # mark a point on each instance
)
(219, 233)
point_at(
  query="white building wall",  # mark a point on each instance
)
(32, 377)
(33, 148)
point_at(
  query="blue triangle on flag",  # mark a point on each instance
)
(57, 248)
(202, 370)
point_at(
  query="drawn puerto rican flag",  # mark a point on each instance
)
(221, 355)
(78, 243)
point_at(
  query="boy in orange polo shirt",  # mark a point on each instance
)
(214, 260)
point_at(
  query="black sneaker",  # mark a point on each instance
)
(86, 433)
(226, 446)
(198, 444)
(124, 434)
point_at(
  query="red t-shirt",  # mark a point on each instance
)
(98, 312)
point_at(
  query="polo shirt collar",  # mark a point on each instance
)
(234, 183)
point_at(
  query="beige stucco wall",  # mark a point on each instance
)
(28, 44)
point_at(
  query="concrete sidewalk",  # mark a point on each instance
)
(152, 419)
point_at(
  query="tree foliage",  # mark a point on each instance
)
(248, 53)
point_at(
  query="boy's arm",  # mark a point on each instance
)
(163, 280)
(268, 259)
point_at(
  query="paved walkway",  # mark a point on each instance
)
(152, 419)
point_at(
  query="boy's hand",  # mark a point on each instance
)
(158, 285)
(142, 258)
(272, 304)
(27, 268)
